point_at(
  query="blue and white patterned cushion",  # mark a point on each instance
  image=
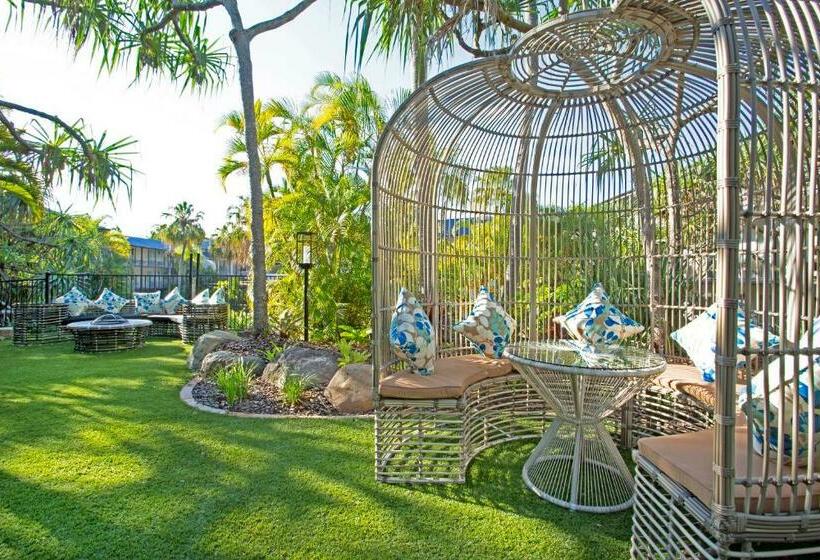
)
(75, 300)
(110, 302)
(172, 300)
(202, 297)
(697, 338)
(148, 302)
(217, 297)
(597, 321)
(411, 334)
(754, 408)
(488, 326)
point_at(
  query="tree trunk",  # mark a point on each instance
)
(241, 43)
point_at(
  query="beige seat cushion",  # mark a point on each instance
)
(689, 381)
(451, 377)
(687, 459)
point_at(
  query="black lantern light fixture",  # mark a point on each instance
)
(304, 243)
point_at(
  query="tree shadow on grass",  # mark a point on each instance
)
(115, 466)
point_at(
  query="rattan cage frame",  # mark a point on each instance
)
(727, 89)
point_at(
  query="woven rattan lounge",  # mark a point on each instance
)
(669, 149)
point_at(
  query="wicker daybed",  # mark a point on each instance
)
(669, 149)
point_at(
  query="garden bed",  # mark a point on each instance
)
(264, 398)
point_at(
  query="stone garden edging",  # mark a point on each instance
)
(187, 396)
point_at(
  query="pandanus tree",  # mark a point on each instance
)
(168, 38)
(40, 151)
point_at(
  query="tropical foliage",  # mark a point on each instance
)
(320, 156)
(182, 230)
(35, 158)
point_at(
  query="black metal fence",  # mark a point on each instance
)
(52, 285)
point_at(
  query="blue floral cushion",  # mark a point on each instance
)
(202, 297)
(697, 338)
(488, 326)
(411, 334)
(148, 302)
(754, 407)
(172, 300)
(597, 321)
(217, 297)
(76, 301)
(110, 302)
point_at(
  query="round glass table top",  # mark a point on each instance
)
(574, 357)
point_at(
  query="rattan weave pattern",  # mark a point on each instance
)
(198, 319)
(38, 323)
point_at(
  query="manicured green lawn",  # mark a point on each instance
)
(100, 459)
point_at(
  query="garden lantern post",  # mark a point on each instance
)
(304, 240)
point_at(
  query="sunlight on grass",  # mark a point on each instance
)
(99, 458)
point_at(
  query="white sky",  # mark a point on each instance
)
(179, 147)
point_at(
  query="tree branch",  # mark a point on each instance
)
(278, 21)
(475, 51)
(25, 239)
(500, 15)
(175, 10)
(15, 133)
(70, 130)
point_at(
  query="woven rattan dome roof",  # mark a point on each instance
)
(624, 77)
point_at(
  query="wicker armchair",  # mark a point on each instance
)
(38, 323)
(198, 319)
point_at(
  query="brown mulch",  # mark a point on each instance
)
(265, 398)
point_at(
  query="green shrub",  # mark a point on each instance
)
(273, 353)
(234, 382)
(294, 389)
(350, 355)
(239, 320)
(359, 337)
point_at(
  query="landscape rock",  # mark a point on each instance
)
(351, 389)
(206, 344)
(222, 359)
(316, 366)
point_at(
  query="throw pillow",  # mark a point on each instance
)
(488, 326)
(411, 334)
(597, 321)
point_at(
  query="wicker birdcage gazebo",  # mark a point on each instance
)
(668, 149)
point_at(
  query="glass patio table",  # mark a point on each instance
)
(576, 464)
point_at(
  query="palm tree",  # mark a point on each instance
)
(232, 240)
(273, 119)
(183, 231)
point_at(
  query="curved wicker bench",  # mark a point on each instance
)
(677, 402)
(428, 429)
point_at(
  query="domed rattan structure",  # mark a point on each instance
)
(668, 149)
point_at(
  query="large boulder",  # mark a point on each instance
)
(351, 389)
(222, 359)
(206, 344)
(316, 366)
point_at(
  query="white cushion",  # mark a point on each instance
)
(411, 334)
(172, 300)
(148, 302)
(597, 321)
(76, 301)
(755, 410)
(202, 297)
(217, 297)
(110, 302)
(697, 338)
(488, 326)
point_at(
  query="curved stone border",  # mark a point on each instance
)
(187, 396)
